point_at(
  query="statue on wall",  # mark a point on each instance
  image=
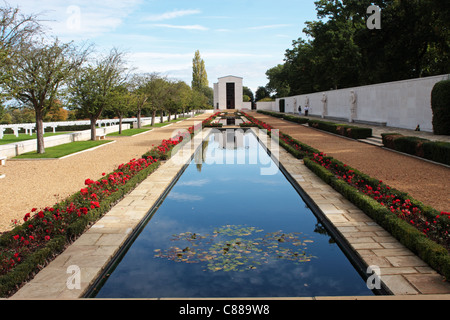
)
(306, 106)
(354, 105)
(325, 105)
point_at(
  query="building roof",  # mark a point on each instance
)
(231, 77)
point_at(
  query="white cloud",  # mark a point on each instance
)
(172, 15)
(82, 18)
(194, 183)
(184, 197)
(187, 27)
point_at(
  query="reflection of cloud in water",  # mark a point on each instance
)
(184, 197)
(194, 183)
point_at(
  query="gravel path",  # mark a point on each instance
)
(424, 181)
(40, 183)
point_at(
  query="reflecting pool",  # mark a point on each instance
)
(226, 230)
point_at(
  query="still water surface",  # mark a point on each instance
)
(227, 231)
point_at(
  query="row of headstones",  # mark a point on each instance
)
(30, 127)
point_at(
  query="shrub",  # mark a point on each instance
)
(440, 104)
(292, 118)
(389, 139)
(422, 229)
(271, 113)
(402, 217)
(410, 145)
(341, 129)
(44, 234)
(437, 151)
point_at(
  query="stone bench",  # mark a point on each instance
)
(101, 136)
(2, 160)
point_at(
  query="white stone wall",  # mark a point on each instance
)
(401, 104)
(267, 106)
(247, 105)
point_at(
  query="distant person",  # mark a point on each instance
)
(299, 110)
(306, 111)
(418, 127)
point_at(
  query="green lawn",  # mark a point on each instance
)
(128, 133)
(10, 138)
(62, 150)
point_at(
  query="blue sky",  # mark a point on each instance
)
(235, 37)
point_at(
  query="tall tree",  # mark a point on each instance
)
(15, 29)
(199, 75)
(120, 101)
(141, 95)
(343, 52)
(156, 89)
(38, 72)
(91, 87)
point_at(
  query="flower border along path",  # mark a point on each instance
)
(394, 214)
(27, 249)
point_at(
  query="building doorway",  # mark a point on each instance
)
(231, 96)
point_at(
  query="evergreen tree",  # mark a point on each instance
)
(199, 75)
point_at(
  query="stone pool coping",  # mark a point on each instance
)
(402, 272)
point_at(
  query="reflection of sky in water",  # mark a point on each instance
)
(231, 195)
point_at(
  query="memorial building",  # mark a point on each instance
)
(228, 93)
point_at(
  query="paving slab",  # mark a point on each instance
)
(407, 276)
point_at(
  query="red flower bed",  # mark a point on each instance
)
(435, 227)
(40, 226)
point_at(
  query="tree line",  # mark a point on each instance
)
(41, 73)
(342, 52)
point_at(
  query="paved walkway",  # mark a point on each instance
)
(400, 270)
(406, 276)
(40, 183)
(424, 181)
(378, 130)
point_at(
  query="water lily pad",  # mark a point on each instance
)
(235, 248)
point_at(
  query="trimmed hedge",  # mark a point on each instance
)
(271, 113)
(296, 119)
(34, 262)
(432, 150)
(288, 117)
(341, 129)
(440, 104)
(431, 252)
(436, 255)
